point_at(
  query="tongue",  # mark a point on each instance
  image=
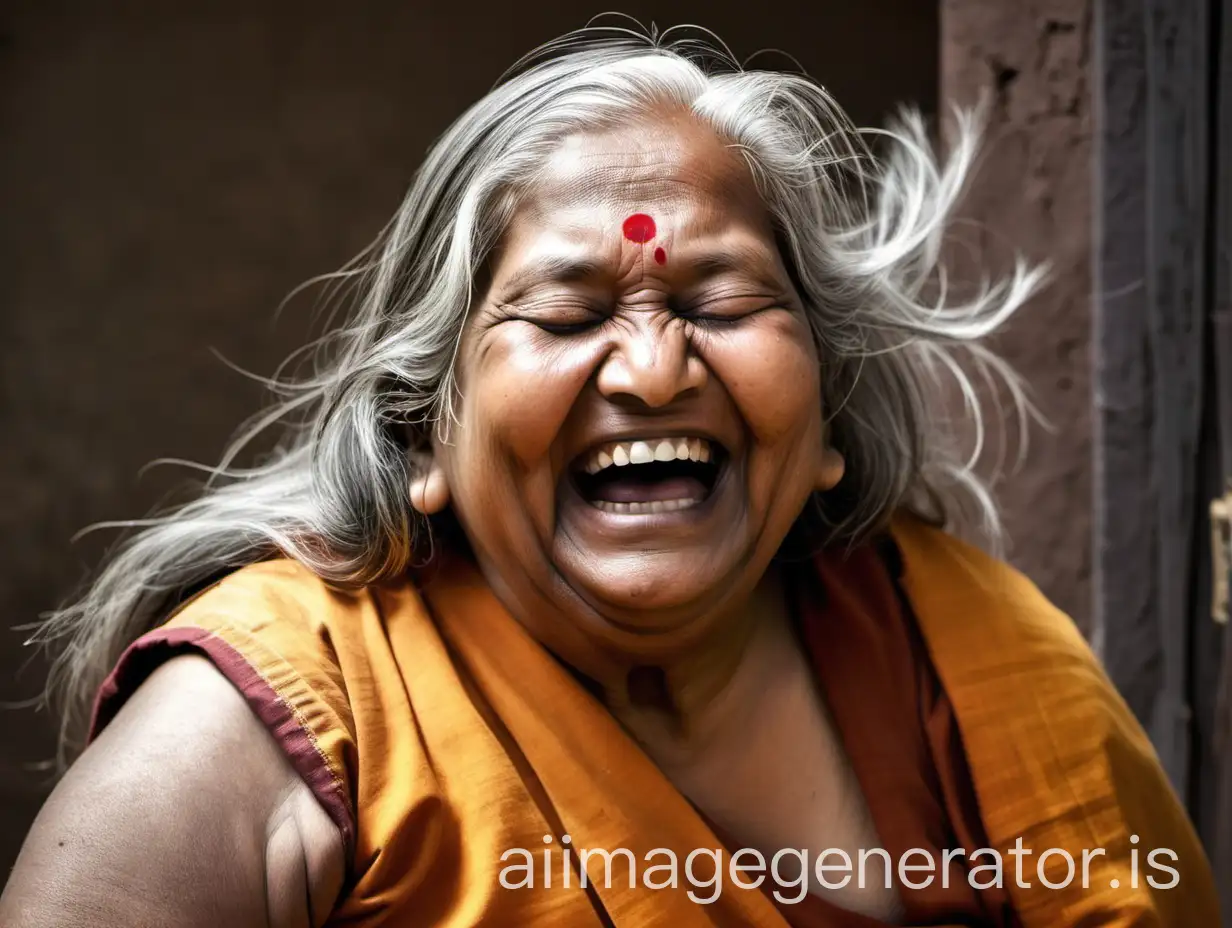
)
(632, 490)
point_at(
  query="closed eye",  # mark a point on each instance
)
(567, 328)
(557, 318)
(728, 310)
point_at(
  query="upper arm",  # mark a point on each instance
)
(183, 812)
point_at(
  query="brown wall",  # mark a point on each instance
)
(169, 171)
(1033, 193)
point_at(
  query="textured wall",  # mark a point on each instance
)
(169, 171)
(1034, 194)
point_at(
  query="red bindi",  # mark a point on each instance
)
(660, 256)
(639, 228)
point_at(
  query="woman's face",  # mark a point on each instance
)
(638, 309)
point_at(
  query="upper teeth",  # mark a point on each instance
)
(621, 453)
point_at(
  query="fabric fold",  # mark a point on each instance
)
(444, 740)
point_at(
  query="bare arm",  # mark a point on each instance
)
(183, 813)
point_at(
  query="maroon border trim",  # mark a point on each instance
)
(146, 654)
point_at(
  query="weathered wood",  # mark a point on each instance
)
(1125, 523)
(1153, 75)
(1178, 78)
(1164, 263)
(1216, 786)
(1205, 646)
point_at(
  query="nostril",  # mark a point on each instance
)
(647, 389)
(653, 368)
(640, 401)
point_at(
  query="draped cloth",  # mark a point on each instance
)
(448, 746)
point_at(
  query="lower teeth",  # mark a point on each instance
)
(644, 508)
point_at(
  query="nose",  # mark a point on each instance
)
(652, 362)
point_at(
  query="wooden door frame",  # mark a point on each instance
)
(1162, 87)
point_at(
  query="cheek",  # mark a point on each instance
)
(517, 390)
(771, 372)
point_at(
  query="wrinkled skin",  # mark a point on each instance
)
(586, 336)
(674, 614)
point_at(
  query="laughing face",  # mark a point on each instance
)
(639, 421)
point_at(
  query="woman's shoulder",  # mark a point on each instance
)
(182, 812)
(294, 643)
(274, 594)
(962, 592)
(1009, 659)
(298, 648)
(1055, 754)
(279, 611)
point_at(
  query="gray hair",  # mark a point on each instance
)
(861, 233)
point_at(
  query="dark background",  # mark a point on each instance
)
(169, 171)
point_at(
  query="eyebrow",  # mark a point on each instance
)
(739, 259)
(552, 269)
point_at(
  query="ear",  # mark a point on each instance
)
(429, 487)
(831, 469)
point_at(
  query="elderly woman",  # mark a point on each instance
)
(599, 577)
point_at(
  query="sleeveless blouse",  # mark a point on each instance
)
(439, 737)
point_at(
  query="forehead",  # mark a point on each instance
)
(671, 167)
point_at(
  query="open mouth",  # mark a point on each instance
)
(649, 475)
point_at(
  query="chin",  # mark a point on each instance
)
(666, 595)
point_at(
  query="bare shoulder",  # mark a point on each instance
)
(184, 811)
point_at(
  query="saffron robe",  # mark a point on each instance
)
(439, 736)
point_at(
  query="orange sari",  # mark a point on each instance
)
(439, 736)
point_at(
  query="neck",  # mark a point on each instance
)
(677, 709)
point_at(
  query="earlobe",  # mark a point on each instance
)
(430, 490)
(831, 471)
